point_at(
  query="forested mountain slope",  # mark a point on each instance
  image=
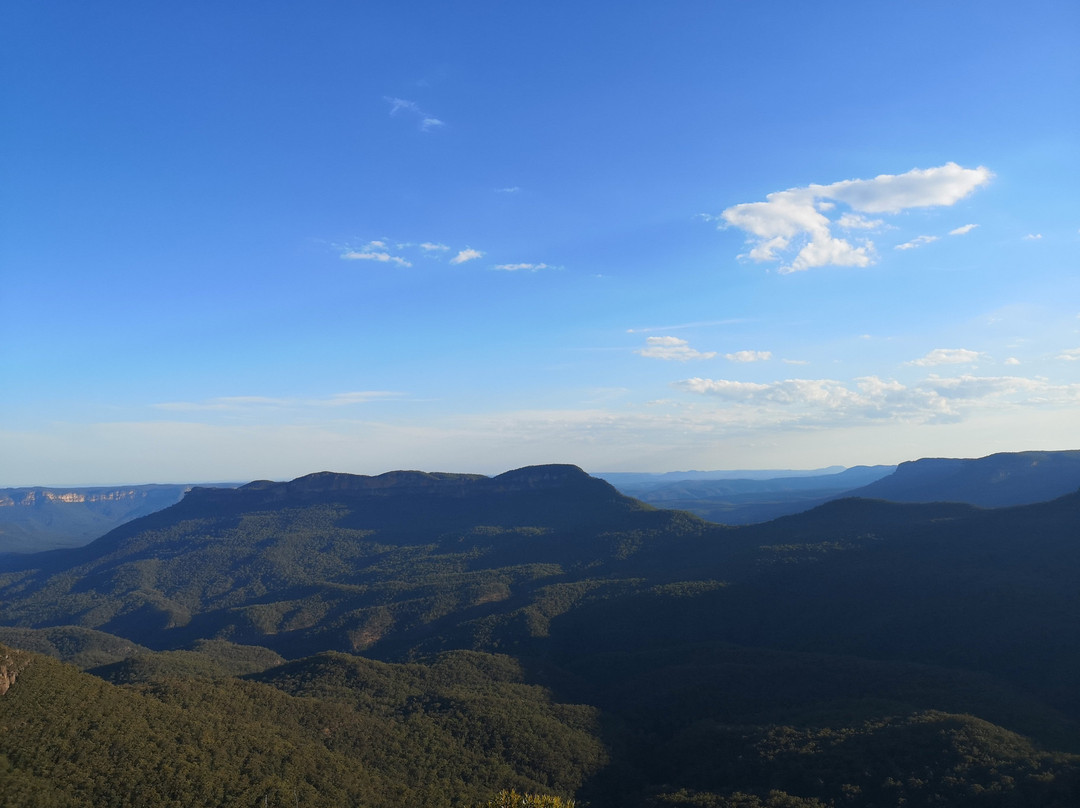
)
(540, 631)
(1007, 478)
(36, 519)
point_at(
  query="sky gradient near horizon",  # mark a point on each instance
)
(258, 240)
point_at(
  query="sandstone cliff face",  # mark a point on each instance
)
(32, 496)
(35, 518)
(12, 662)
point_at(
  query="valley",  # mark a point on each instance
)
(435, 639)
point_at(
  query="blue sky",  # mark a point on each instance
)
(257, 240)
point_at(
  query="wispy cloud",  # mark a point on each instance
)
(379, 251)
(870, 399)
(468, 254)
(853, 221)
(795, 221)
(749, 356)
(425, 122)
(522, 267)
(381, 257)
(965, 229)
(1070, 355)
(672, 349)
(947, 356)
(918, 241)
(1033, 237)
(512, 190)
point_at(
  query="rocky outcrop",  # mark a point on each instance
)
(12, 663)
(32, 496)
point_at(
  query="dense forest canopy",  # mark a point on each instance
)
(536, 638)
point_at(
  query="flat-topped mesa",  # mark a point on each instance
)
(555, 475)
(997, 480)
(391, 481)
(409, 504)
(329, 485)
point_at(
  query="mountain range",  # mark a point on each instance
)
(431, 639)
(1008, 478)
(38, 518)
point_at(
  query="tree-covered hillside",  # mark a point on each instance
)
(436, 639)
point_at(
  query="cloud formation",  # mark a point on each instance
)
(381, 257)
(795, 220)
(947, 356)
(672, 349)
(468, 254)
(380, 252)
(918, 241)
(870, 399)
(521, 267)
(960, 231)
(748, 356)
(853, 221)
(425, 122)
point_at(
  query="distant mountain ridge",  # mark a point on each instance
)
(721, 497)
(997, 480)
(539, 630)
(39, 518)
(206, 566)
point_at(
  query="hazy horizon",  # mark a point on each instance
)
(254, 242)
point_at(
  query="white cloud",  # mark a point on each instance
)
(468, 254)
(398, 104)
(381, 257)
(1071, 355)
(426, 122)
(853, 221)
(918, 241)
(1033, 237)
(672, 348)
(795, 361)
(947, 356)
(429, 246)
(512, 190)
(870, 399)
(795, 220)
(827, 400)
(1012, 360)
(521, 267)
(960, 231)
(918, 188)
(748, 356)
(983, 387)
(725, 388)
